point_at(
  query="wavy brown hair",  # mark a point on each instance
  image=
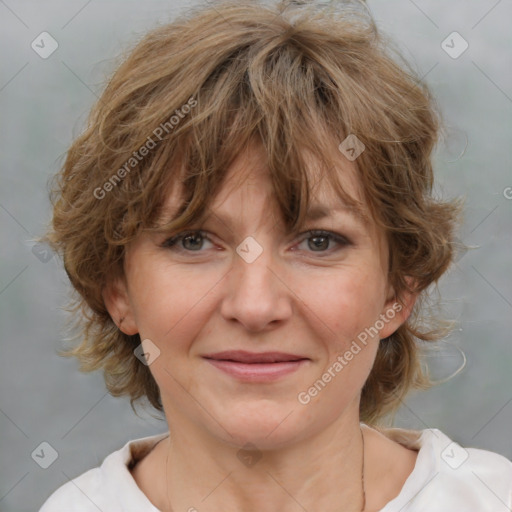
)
(297, 79)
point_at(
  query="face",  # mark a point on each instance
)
(246, 317)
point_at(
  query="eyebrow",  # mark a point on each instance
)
(314, 212)
(317, 212)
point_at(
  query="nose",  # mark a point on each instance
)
(257, 295)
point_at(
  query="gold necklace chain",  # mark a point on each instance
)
(363, 489)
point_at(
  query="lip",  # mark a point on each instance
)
(256, 367)
(243, 356)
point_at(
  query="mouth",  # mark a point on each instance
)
(256, 367)
(241, 356)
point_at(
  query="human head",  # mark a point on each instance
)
(182, 106)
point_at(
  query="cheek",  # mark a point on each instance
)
(171, 305)
(169, 301)
(345, 303)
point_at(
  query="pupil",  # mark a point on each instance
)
(319, 245)
(194, 237)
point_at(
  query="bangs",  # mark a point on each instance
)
(270, 95)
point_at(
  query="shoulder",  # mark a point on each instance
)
(483, 476)
(448, 476)
(78, 494)
(108, 487)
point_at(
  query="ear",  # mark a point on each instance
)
(396, 312)
(117, 301)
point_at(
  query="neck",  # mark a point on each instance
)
(316, 473)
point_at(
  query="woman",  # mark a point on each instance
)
(249, 223)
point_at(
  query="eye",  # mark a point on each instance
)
(318, 240)
(188, 241)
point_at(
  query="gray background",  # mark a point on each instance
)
(44, 103)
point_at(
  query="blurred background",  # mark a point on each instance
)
(461, 48)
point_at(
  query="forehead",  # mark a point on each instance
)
(249, 176)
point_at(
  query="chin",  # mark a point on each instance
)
(267, 424)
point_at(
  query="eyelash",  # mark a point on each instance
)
(172, 243)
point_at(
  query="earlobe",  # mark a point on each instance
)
(117, 301)
(396, 312)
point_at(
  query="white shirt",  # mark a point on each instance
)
(446, 478)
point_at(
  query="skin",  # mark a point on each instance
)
(293, 298)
